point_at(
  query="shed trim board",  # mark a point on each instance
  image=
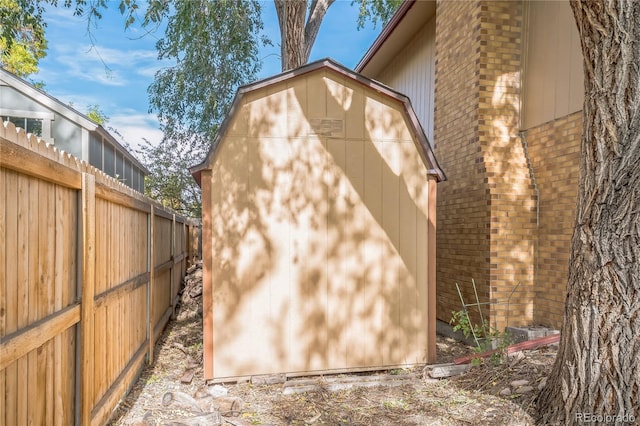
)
(319, 196)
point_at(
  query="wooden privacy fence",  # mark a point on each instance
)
(89, 275)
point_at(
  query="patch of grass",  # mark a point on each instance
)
(395, 404)
(252, 418)
(154, 378)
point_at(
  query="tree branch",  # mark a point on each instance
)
(317, 11)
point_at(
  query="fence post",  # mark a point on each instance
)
(185, 265)
(88, 293)
(187, 243)
(172, 283)
(152, 278)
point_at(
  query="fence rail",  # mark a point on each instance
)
(89, 275)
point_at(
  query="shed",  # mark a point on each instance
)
(318, 204)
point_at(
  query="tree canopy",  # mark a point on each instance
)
(22, 36)
(214, 46)
(22, 30)
(96, 114)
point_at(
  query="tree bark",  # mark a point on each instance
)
(597, 370)
(296, 36)
(291, 16)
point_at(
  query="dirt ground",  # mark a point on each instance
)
(485, 395)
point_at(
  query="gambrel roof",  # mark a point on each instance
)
(424, 147)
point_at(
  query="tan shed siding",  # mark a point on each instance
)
(412, 72)
(553, 79)
(555, 152)
(318, 241)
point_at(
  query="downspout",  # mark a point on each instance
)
(525, 146)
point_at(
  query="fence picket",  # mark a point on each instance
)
(88, 287)
(151, 265)
(88, 252)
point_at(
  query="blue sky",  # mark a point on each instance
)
(115, 69)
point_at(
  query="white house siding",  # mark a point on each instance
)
(412, 72)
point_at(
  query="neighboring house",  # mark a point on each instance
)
(67, 129)
(498, 87)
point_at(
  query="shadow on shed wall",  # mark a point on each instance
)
(319, 232)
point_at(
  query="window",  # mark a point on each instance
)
(30, 125)
(126, 176)
(120, 166)
(109, 159)
(35, 122)
(95, 152)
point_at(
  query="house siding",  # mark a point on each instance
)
(11, 97)
(508, 90)
(69, 130)
(413, 71)
(66, 135)
(553, 76)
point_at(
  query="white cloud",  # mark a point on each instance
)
(135, 127)
(149, 71)
(104, 65)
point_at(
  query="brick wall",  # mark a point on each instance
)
(554, 148)
(487, 209)
(511, 191)
(463, 209)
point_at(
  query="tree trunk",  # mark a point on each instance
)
(296, 36)
(597, 371)
(291, 16)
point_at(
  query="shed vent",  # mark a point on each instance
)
(327, 127)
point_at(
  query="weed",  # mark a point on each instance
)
(395, 405)
(252, 418)
(154, 378)
(487, 337)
